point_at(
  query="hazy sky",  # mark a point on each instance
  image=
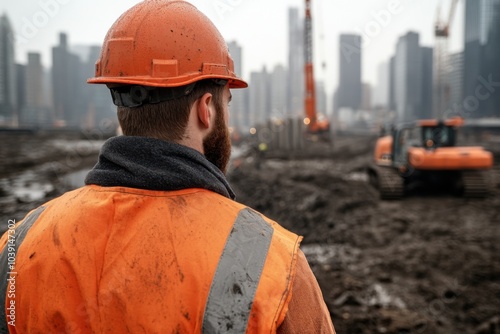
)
(260, 26)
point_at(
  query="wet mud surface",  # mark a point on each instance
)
(37, 168)
(429, 263)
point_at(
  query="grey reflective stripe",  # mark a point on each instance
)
(238, 274)
(21, 231)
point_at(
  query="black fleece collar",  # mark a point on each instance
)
(153, 164)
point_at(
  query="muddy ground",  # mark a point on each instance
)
(36, 168)
(426, 264)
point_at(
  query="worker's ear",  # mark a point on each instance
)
(205, 110)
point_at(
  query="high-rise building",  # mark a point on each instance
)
(99, 110)
(392, 84)
(456, 78)
(34, 111)
(481, 54)
(259, 97)
(279, 92)
(67, 82)
(20, 87)
(238, 110)
(366, 97)
(491, 68)
(8, 95)
(412, 79)
(296, 54)
(381, 90)
(427, 67)
(34, 81)
(472, 48)
(349, 92)
(407, 77)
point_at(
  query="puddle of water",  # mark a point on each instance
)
(33, 192)
(28, 187)
(383, 298)
(31, 186)
(356, 176)
(326, 254)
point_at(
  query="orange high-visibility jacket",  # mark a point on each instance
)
(123, 260)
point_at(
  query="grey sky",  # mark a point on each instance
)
(260, 26)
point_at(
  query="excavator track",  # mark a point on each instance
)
(475, 184)
(390, 183)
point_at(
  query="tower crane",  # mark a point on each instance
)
(315, 126)
(442, 29)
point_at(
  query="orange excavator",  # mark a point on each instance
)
(425, 152)
(315, 125)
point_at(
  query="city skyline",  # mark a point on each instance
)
(277, 91)
(37, 23)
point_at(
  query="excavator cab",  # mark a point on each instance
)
(403, 137)
(438, 136)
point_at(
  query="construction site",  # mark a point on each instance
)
(400, 228)
(426, 263)
(399, 213)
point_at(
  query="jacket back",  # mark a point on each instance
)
(123, 260)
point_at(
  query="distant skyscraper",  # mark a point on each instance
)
(472, 47)
(259, 97)
(427, 98)
(20, 87)
(381, 90)
(392, 84)
(98, 107)
(279, 92)
(456, 80)
(66, 83)
(34, 81)
(366, 97)
(481, 54)
(238, 110)
(34, 111)
(295, 64)
(492, 56)
(349, 92)
(8, 95)
(412, 79)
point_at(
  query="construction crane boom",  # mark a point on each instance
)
(453, 10)
(310, 98)
(443, 28)
(314, 126)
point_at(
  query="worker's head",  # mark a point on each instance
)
(161, 59)
(168, 120)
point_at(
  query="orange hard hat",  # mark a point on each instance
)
(164, 43)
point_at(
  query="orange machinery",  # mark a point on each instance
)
(426, 152)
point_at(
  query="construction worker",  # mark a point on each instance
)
(155, 243)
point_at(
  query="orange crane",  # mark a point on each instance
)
(315, 126)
